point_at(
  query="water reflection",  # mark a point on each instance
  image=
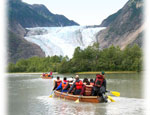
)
(61, 107)
(122, 106)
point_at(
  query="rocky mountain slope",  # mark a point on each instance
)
(106, 22)
(124, 27)
(22, 15)
(18, 48)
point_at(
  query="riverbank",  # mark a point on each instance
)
(106, 72)
(92, 72)
(36, 73)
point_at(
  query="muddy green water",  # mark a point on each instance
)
(29, 95)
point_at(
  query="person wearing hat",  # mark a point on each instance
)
(99, 88)
(104, 81)
(78, 84)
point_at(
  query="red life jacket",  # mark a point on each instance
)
(65, 80)
(79, 85)
(51, 73)
(58, 82)
(99, 80)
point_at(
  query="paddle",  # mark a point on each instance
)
(65, 96)
(60, 95)
(52, 91)
(51, 94)
(111, 99)
(115, 93)
(104, 98)
(78, 100)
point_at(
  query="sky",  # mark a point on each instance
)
(84, 12)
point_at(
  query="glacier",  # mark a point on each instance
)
(62, 40)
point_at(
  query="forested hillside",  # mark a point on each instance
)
(89, 59)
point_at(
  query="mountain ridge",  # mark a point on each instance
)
(21, 16)
(125, 28)
(106, 22)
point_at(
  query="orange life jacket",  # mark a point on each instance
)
(58, 82)
(99, 80)
(64, 84)
(79, 85)
(92, 83)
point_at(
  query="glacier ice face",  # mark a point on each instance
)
(62, 40)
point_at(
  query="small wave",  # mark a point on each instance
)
(122, 106)
(126, 106)
(56, 106)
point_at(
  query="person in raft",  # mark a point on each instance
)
(92, 82)
(99, 88)
(50, 74)
(104, 81)
(71, 80)
(85, 83)
(43, 75)
(63, 85)
(57, 82)
(78, 84)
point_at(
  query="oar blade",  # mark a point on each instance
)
(50, 96)
(65, 96)
(111, 99)
(115, 93)
(77, 101)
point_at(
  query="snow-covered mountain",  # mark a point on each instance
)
(62, 40)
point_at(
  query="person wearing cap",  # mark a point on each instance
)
(78, 84)
(104, 81)
(100, 86)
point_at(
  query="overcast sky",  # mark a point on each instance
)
(84, 12)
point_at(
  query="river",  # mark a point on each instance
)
(29, 95)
